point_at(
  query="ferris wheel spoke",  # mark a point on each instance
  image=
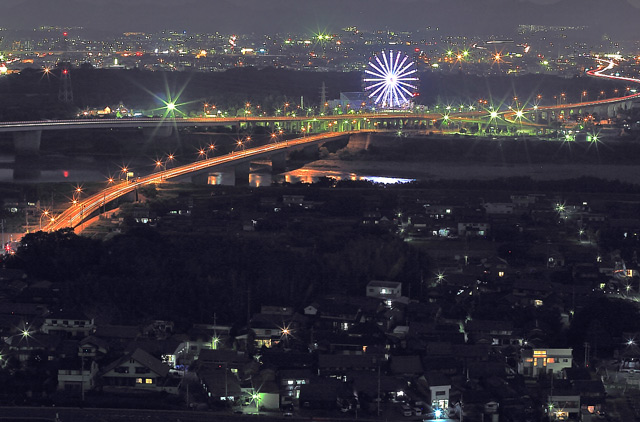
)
(399, 68)
(387, 68)
(378, 90)
(379, 84)
(377, 73)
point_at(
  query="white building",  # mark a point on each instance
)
(540, 361)
(384, 289)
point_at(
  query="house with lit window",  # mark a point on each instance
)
(291, 381)
(563, 404)
(384, 289)
(437, 387)
(494, 333)
(534, 362)
(335, 314)
(473, 228)
(138, 370)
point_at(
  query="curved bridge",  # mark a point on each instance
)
(77, 213)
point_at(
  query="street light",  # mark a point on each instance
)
(44, 213)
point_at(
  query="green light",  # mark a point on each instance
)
(171, 106)
(494, 114)
(449, 53)
(465, 53)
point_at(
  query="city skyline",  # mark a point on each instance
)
(483, 17)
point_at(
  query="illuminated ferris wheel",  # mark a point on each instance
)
(390, 80)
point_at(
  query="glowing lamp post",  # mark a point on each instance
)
(44, 213)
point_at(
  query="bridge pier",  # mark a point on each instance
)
(200, 178)
(279, 162)
(359, 142)
(241, 173)
(27, 143)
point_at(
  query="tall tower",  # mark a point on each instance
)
(65, 93)
(323, 98)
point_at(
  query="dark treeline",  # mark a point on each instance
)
(33, 94)
(187, 278)
(507, 152)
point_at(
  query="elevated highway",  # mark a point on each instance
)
(80, 211)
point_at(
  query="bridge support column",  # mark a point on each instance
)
(241, 173)
(359, 142)
(27, 143)
(279, 162)
(200, 178)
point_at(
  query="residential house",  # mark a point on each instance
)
(68, 324)
(563, 404)
(77, 375)
(534, 362)
(385, 290)
(138, 370)
(336, 366)
(219, 382)
(494, 333)
(437, 387)
(291, 380)
(473, 228)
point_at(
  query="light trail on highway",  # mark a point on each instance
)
(75, 215)
(598, 72)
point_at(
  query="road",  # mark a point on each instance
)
(74, 215)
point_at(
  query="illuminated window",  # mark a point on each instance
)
(384, 291)
(537, 302)
(551, 360)
(629, 273)
(535, 362)
(290, 382)
(139, 380)
(500, 273)
(529, 360)
(149, 381)
(539, 353)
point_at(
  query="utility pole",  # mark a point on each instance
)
(378, 400)
(82, 377)
(587, 346)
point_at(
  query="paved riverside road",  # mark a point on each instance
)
(62, 414)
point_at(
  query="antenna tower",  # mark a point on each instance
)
(65, 93)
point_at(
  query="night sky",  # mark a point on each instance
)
(616, 17)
